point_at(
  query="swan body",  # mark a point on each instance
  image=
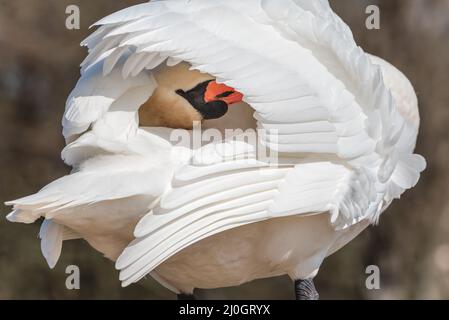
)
(343, 124)
(295, 246)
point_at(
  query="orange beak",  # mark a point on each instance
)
(222, 92)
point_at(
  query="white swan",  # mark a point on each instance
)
(346, 125)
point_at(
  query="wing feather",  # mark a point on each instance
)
(95, 94)
(209, 198)
(310, 84)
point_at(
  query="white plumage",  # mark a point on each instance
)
(344, 123)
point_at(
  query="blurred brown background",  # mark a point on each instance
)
(39, 61)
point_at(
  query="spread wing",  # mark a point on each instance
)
(296, 63)
(107, 193)
(224, 188)
(314, 90)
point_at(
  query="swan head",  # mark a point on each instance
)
(402, 90)
(211, 99)
(185, 96)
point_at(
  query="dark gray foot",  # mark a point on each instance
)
(305, 290)
(186, 297)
